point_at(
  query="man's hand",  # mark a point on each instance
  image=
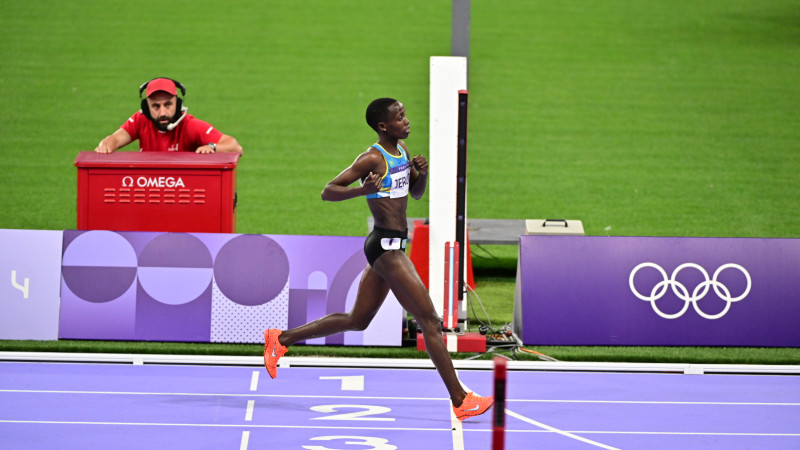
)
(107, 145)
(115, 141)
(102, 147)
(205, 149)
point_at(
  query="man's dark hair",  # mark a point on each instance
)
(378, 110)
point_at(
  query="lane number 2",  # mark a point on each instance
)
(363, 412)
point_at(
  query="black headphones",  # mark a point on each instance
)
(146, 107)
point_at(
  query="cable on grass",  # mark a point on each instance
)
(541, 356)
(503, 334)
(489, 254)
(471, 305)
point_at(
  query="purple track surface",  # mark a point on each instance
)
(103, 406)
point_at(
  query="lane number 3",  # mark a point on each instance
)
(373, 442)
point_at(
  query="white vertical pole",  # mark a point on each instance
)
(448, 76)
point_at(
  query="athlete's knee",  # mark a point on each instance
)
(432, 324)
(358, 323)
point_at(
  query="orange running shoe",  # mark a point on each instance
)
(473, 405)
(273, 350)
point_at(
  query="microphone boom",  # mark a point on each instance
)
(172, 126)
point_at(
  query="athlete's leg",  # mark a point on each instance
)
(398, 270)
(372, 290)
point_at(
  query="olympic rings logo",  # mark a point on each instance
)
(680, 290)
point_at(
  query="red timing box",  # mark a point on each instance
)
(467, 342)
(157, 191)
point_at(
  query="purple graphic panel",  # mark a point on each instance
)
(590, 290)
(29, 290)
(198, 287)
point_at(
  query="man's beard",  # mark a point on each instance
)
(163, 122)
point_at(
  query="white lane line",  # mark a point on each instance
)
(458, 430)
(245, 440)
(688, 433)
(556, 430)
(656, 402)
(218, 425)
(41, 391)
(200, 394)
(254, 380)
(248, 416)
(332, 427)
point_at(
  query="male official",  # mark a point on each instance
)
(163, 125)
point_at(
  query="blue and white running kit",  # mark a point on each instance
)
(394, 184)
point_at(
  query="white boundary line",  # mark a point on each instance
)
(218, 394)
(358, 397)
(300, 361)
(254, 380)
(541, 425)
(556, 430)
(457, 431)
(685, 433)
(652, 402)
(332, 427)
(218, 425)
(458, 427)
(248, 415)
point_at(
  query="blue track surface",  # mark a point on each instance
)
(56, 405)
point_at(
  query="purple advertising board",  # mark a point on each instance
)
(206, 287)
(31, 268)
(593, 290)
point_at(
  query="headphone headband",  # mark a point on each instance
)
(179, 108)
(178, 85)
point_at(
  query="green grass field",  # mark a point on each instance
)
(659, 118)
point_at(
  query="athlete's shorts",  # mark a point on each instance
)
(381, 240)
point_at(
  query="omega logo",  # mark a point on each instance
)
(153, 182)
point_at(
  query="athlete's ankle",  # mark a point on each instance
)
(457, 402)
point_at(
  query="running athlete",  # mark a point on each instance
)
(386, 176)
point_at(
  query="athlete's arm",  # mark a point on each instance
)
(419, 176)
(364, 167)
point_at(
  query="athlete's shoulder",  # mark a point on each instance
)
(373, 151)
(370, 159)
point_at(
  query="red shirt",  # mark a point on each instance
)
(186, 137)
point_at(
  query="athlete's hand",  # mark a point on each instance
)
(372, 183)
(421, 164)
